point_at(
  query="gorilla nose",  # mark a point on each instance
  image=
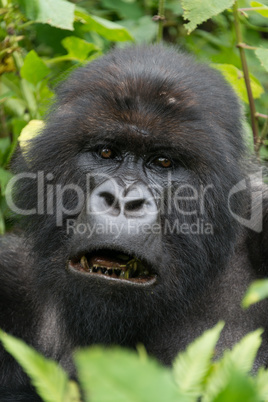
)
(132, 202)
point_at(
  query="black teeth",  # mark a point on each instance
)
(95, 269)
(104, 270)
(117, 272)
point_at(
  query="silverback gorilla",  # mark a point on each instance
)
(141, 222)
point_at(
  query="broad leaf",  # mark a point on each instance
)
(34, 69)
(121, 375)
(262, 55)
(58, 13)
(105, 28)
(198, 11)
(236, 78)
(257, 291)
(77, 48)
(191, 367)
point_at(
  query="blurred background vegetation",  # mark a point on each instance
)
(42, 41)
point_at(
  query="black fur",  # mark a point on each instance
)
(144, 102)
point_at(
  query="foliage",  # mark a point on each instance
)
(117, 374)
(256, 292)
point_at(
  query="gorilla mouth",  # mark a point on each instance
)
(113, 265)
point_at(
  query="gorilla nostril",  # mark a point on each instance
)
(109, 198)
(110, 202)
(135, 205)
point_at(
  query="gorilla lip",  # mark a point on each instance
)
(113, 265)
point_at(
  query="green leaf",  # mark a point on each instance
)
(236, 78)
(34, 69)
(58, 13)
(240, 358)
(46, 375)
(257, 291)
(239, 388)
(264, 13)
(5, 176)
(78, 48)
(262, 55)
(244, 352)
(143, 29)
(120, 375)
(262, 383)
(108, 29)
(126, 10)
(191, 367)
(198, 11)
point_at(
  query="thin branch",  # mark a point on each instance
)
(246, 76)
(160, 17)
(264, 116)
(245, 46)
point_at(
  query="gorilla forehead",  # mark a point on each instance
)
(151, 90)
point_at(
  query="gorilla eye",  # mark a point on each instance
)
(106, 153)
(162, 162)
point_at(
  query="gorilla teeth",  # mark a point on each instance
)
(84, 263)
(131, 269)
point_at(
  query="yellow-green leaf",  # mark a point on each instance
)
(29, 132)
(236, 78)
(257, 291)
(78, 48)
(264, 13)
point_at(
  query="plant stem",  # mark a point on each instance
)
(246, 76)
(161, 16)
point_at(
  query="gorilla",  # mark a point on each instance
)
(141, 220)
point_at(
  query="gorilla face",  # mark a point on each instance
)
(131, 220)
